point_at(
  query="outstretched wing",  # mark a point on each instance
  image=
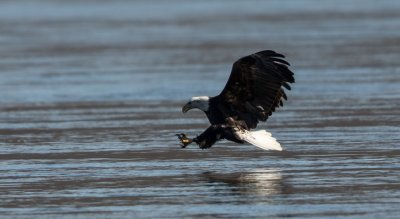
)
(255, 87)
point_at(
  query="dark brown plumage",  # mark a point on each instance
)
(254, 90)
(255, 86)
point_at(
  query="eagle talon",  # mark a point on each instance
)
(185, 141)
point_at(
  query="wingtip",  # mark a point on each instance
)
(270, 53)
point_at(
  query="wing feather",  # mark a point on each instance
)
(258, 80)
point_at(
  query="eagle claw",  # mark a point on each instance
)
(185, 141)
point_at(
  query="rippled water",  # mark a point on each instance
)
(91, 97)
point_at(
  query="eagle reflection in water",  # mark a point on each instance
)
(260, 182)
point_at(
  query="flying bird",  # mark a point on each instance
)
(254, 90)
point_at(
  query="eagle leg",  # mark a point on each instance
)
(211, 135)
(236, 124)
(185, 141)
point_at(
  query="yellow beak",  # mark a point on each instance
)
(186, 107)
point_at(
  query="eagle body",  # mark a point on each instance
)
(254, 90)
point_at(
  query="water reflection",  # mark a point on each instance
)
(257, 182)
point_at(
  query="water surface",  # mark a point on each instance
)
(91, 97)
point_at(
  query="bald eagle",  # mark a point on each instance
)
(253, 91)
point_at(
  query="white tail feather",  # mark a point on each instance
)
(261, 139)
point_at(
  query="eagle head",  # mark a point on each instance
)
(201, 103)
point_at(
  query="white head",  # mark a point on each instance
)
(198, 103)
